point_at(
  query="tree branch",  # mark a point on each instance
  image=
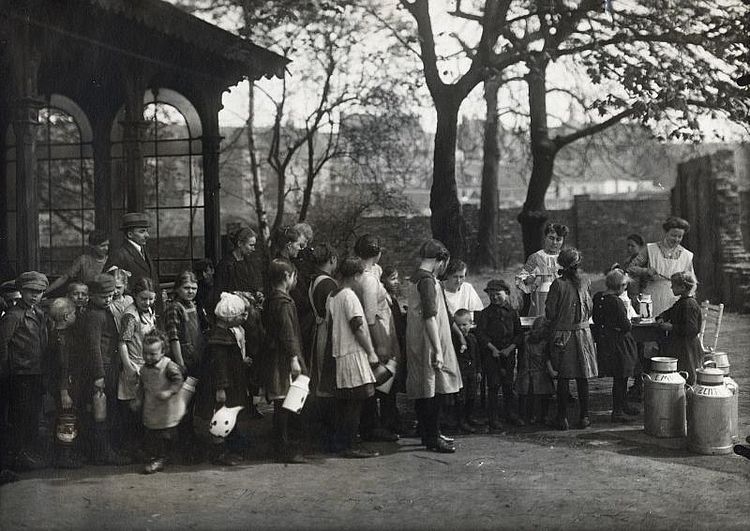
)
(564, 140)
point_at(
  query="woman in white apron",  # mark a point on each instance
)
(660, 260)
(432, 366)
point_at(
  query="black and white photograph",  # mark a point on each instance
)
(374, 264)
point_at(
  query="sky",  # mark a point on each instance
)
(236, 100)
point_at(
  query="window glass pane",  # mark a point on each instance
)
(42, 184)
(149, 181)
(172, 268)
(41, 132)
(174, 182)
(87, 178)
(65, 184)
(197, 178)
(63, 128)
(44, 235)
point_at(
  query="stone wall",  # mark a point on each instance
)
(707, 191)
(597, 226)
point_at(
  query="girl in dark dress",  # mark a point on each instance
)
(616, 348)
(223, 379)
(282, 359)
(683, 320)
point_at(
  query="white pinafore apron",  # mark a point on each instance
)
(660, 287)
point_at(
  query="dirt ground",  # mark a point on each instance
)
(605, 477)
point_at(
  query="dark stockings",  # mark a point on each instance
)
(562, 397)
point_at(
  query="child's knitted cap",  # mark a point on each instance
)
(229, 306)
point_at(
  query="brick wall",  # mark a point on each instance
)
(597, 226)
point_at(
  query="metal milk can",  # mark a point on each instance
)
(721, 361)
(645, 306)
(66, 430)
(709, 412)
(664, 399)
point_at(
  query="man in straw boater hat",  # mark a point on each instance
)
(132, 254)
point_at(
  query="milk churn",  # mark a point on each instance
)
(709, 412)
(721, 361)
(664, 399)
(645, 306)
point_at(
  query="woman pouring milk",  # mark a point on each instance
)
(660, 260)
(541, 268)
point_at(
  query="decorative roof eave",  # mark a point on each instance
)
(171, 20)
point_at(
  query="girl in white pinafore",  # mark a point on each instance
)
(432, 367)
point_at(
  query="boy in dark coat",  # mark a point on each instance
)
(468, 362)
(499, 333)
(99, 367)
(23, 353)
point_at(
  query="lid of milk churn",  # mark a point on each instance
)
(661, 364)
(710, 376)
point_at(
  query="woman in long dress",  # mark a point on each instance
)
(656, 264)
(541, 268)
(431, 360)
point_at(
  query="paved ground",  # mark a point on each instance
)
(601, 478)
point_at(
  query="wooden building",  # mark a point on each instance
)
(110, 106)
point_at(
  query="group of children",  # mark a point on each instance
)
(115, 368)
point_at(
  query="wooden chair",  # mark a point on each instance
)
(712, 314)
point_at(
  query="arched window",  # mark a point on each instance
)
(65, 184)
(173, 178)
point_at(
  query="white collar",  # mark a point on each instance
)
(140, 249)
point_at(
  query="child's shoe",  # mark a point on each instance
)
(27, 461)
(618, 417)
(744, 451)
(359, 453)
(440, 446)
(67, 459)
(227, 458)
(495, 424)
(475, 422)
(465, 427)
(156, 465)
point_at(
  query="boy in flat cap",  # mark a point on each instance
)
(132, 255)
(23, 351)
(9, 295)
(499, 333)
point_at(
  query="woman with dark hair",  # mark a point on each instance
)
(540, 269)
(432, 364)
(88, 265)
(237, 271)
(568, 308)
(656, 264)
(459, 293)
(378, 424)
(288, 242)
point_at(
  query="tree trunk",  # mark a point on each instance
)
(486, 251)
(307, 192)
(446, 221)
(260, 205)
(534, 215)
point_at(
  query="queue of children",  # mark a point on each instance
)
(116, 368)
